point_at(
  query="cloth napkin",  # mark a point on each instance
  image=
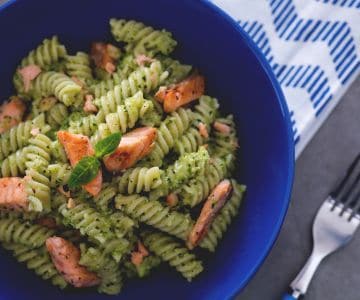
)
(313, 47)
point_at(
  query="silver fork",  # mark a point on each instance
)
(334, 226)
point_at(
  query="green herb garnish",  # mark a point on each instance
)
(107, 145)
(87, 168)
(85, 171)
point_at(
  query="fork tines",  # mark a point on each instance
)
(348, 191)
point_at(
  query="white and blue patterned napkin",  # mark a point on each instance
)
(313, 47)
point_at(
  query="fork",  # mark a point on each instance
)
(334, 226)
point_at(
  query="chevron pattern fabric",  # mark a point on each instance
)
(313, 47)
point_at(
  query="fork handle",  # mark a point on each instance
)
(301, 283)
(288, 297)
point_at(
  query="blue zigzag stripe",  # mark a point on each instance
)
(343, 3)
(310, 78)
(337, 35)
(295, 131)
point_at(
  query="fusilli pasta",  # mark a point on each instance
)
(142, 39)
(197, 190)
(58, 84)
(139, 179)
(23, 232)
(79, 66)
(153, 213)
(50, 51)
(171, 251)
(19, 136)
(143, 79)
(37, 183)
(170, 130)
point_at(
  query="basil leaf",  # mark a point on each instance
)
(85, 171)
(107, 145)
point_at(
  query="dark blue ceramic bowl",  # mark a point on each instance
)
(236, 73)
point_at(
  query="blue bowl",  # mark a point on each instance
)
(236, 73)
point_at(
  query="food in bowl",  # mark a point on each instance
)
(113, 162)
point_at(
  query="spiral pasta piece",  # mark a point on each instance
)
(142, 39)
(59, 174)
(204, 112)
(56, 115)
(37, 183)
(18, 137)
(96, 226)
(116, 248)
(107, 269)
(106, 195)
(42, 105)
(126, 115)
(88, 221)
(22, 232)
(170, 130)
(143, 79)
(86, 125)
(37, 260)
(189, 142)
(101, 88)
(50, 51)
(92, 258)
(58, 152)
(176, 255)
(127, 65)
(188, 166)
(198, 189)
(14, 164)
(79, 66)
(153, 213)
(22, 215)
(111, 279)
(139, 179)
(177, 71)
(58, 84)
(225, 144)
(123, 225)
(224, 218)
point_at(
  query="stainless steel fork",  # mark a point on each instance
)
(334, 226)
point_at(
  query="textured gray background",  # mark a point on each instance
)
(317, 170)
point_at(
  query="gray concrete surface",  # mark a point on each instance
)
(317, 171)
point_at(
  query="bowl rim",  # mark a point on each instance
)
(289, 136)
(285, 118)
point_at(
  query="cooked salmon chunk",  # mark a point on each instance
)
(182, 93)
(221, 127)
(137, 257)
(65, 257)
(76, 147)
(133, 146)
(211, 207)
(89, 106)
(28, 74)
(11, 113)
(13, 194)
(104, 56)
